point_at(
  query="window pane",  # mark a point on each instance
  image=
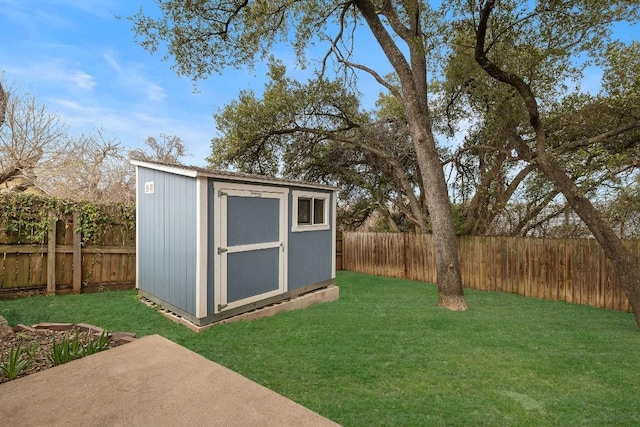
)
(304, 211)
(318, 211)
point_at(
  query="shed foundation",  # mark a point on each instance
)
(328, 294)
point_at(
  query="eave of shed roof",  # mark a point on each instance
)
(195, 171)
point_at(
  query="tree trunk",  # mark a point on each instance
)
(445, 240)
(625, 265)
(412, 75)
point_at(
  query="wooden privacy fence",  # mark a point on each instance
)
(570, 270)
(108, 262)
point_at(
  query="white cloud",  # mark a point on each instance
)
(132, 127)
(98, 8)
(154, 92)
(131, 76)
(111, 61)
(33, 18)
(54, 71)
(82, 79)
(73, 107)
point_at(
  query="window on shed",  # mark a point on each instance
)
(310, 211)
(304, 211)
(318, 211)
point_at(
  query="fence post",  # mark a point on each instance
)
(51, 254)
(339, 250)
(405, 259)
(77, 254)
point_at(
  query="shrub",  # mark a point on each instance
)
(18, 360)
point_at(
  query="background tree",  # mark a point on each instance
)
(91, 167)
(204, 37)
(4, 99)
(96, 167)
(623, 212)
(315, 131)
(28, 134)
(164, 149)
(501, 193)
(38, 153)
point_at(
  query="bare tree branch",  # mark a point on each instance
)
(4, 99)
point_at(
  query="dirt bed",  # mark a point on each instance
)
(43, 340)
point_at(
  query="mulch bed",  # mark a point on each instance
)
(42, 336)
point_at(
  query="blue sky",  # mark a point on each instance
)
(81, 62)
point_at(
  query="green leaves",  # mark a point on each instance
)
(26, 216)
(208, 36)
(18, 360)
(69, 350)
(66, 351)
(265, 135)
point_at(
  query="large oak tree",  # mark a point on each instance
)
(512, 42)
(205, 37)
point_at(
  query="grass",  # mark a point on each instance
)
(385, 354)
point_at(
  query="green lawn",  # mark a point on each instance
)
(385, 354)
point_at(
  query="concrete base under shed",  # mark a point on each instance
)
(330, 293)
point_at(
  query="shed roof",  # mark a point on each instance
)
(196, 171)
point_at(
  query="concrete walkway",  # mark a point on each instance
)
(149, 382)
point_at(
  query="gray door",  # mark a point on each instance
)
(252, 244)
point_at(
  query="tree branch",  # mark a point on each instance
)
(598, 138)
(392, 89)
(4, 99)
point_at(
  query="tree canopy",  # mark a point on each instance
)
(506, 37)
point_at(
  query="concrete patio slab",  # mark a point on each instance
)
(149, 382)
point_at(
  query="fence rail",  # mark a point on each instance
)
(106, 263)
(572, 270)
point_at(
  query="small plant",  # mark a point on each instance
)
(16, 363)
(96, 345)
(66, 351)
(69, 350)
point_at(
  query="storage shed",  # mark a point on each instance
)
(213, 244)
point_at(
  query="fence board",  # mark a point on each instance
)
(2, 268)
(569, 270)
(10, 267)
(37, 275)
(339, 265)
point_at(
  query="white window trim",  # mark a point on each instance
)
(297, 194)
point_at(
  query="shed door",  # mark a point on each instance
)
(251, 244)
